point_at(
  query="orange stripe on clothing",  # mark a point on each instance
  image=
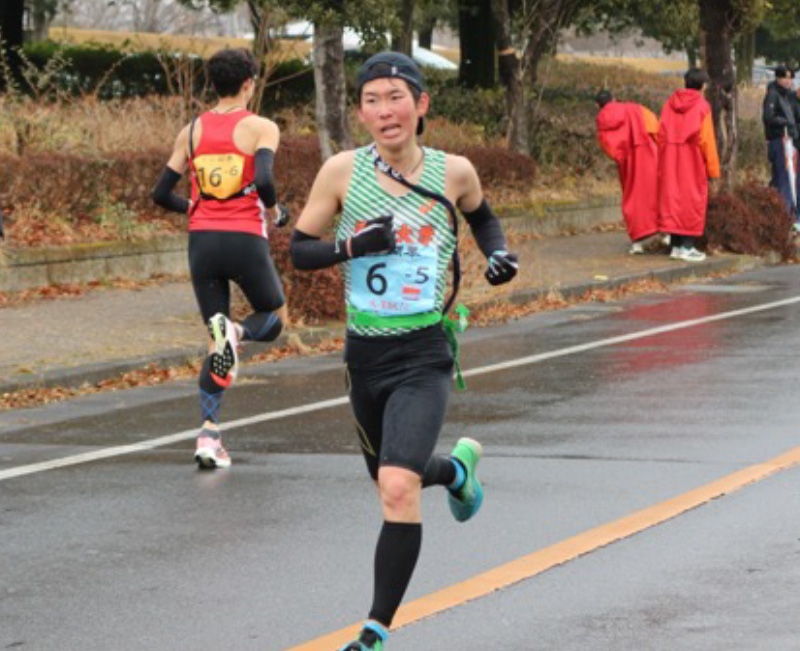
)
(708, 146)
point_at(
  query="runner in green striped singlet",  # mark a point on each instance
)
(396, 242)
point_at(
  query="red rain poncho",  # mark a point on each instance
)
(627, 132)
(687, 158)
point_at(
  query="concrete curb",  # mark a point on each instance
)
(92, 373)
(27, 268)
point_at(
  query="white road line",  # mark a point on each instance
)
(120, 450)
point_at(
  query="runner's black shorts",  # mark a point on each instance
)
(399, 387)
(218, 257)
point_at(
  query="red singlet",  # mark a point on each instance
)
(221, 169)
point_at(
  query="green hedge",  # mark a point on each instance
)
(89, 66)
(116, 74)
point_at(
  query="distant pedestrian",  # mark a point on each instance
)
(627, 132)
(687, 158)
(229, 152)
(782, 130)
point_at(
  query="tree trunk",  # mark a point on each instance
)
(41, 24)
(426, 34)
(520, 72)
(329, 82)
(259, 21)
(403, 39)
(508, 65)
(11, 13)
(716, 18)
(476, 39)
(692, 54)
(745, 57)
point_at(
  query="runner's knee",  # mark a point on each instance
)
(262, 326)
(399, 489)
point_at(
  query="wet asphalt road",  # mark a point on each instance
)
(142, 551)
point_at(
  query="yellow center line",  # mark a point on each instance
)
(529, 566)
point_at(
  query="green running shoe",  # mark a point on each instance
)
(466, 501)
(371, 638)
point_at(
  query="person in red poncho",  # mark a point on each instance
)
(687, 158)
(627, 133)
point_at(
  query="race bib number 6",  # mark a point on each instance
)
(219, 175)
(395, 285)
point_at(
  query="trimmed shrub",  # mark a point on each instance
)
(77, 187)
(103, 69)
(753, 220)
(113, 73)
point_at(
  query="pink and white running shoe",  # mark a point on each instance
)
(210, 454)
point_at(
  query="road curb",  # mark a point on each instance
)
(669, 273)
(92, 373)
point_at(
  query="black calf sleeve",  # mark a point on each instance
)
(395, 559)
(440, 471)
(262, 326)
(206, 382)
(210, 394)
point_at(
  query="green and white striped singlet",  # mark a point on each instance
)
(417, 219)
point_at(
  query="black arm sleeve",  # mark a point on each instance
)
(163, 193)
(265, 184)
(2, 235)
(486, 229)
(313, 253)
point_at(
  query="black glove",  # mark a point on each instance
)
(502, 267)
(376, 237)
(283, 216)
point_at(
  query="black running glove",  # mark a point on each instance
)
(376, 237)
(283, 216)
(502, 267)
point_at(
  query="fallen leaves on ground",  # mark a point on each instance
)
(154, 375)
(494, 313)
(74, 290)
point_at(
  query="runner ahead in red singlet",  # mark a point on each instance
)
(229, 152)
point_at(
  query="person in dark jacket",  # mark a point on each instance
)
(781, 123)
(795, 97)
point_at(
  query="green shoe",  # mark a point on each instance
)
(371, 638)
(466, 501)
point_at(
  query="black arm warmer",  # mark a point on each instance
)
(313, 253)
(265, 184)
(163, 193)
(486, 229)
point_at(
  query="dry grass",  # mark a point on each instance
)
(203, 46)
(89, 126)
(644, 64)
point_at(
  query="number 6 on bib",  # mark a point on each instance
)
(399, 284)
